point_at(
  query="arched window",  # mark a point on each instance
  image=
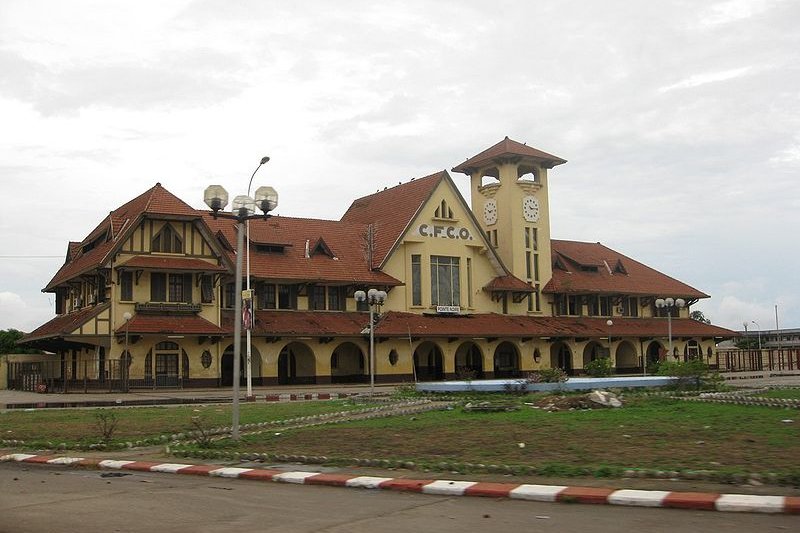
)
(167, 241)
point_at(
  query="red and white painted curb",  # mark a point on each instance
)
(543, 493)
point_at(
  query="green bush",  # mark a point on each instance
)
(600, 367)
(693, 372)
(547, 375)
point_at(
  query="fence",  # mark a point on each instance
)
(773, 359)
(84, 376)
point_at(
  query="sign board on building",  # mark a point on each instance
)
(448, 309)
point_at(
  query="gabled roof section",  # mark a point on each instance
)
(508, 148)
(64, 324)
(288, 261)
(391, 211)
(585, 267)
(94, 250)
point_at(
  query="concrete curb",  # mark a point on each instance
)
(544, 493)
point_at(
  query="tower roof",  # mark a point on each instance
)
(508, 148)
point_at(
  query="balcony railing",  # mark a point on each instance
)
(167, 307)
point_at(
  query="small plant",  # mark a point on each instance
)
(547, 375)
(203, 431)
(466, 374)
(106, 422)
(518, 386)
(600, 367)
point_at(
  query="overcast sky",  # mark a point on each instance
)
(680, 121)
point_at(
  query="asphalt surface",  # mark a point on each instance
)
(38, 499)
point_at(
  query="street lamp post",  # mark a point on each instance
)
(249, 369)
(669, 304)
(759, 335)
(243, 209)
(374, 299)
(125, 356)
(609, 323)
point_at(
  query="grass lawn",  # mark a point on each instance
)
(134, 423)
(646, 433)
(792, 394)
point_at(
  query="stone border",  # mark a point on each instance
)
(543, 493)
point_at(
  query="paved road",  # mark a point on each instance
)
(37, 499)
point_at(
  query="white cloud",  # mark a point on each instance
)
(708, 77)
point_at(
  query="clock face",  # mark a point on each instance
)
(530, 208)
(490, 212)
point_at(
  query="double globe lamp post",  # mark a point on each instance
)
(243, 209)
(669, 304)
(374, 298)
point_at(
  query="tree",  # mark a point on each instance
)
(8, 342)
(699, 316)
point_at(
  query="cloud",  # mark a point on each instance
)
(22, 314)
(709, 77)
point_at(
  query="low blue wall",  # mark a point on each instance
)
(499, 385)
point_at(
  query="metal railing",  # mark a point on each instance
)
(771, 359)
(87, 375)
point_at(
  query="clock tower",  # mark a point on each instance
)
(508, 186)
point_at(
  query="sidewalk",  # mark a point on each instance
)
(166, 396)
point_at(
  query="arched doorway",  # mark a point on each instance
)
(469, 361)
(594, 350)
(506, 361)
(561, 357)
(167, 364)
(348, 365)
(627, 360)
(428, 363)
(226, 363)
(655, 353)
(296, 365)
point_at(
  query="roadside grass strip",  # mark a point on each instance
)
(746, 503)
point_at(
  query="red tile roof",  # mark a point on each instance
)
(171, 263)
(506, 148)
(154, 201)
(632, 277)
(303, 323)
(395, 324)
(507, 283)
(65, 324)
(170, 324)
(343, 239)
(391, 211)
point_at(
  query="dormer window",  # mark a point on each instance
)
(167, 241)
(270, 248)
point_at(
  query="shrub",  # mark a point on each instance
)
(693, 372)
(600, 367)
(106, 422)
(547, 375)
